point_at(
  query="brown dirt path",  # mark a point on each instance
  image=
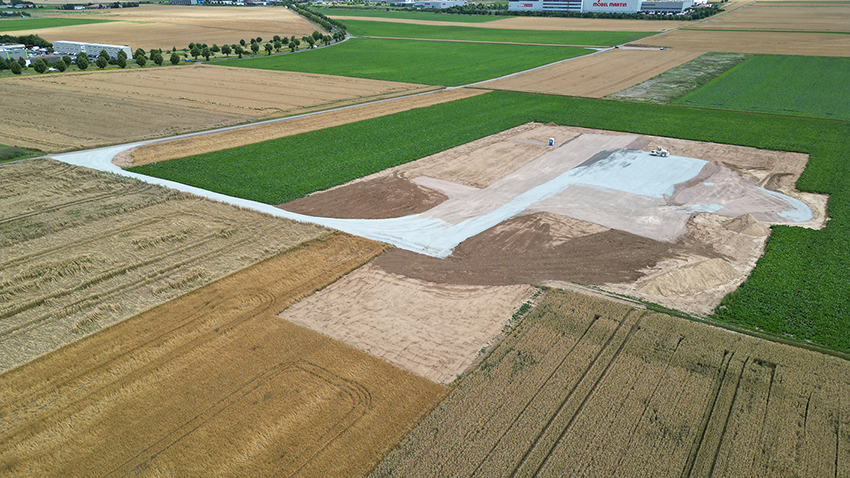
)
(214, 383)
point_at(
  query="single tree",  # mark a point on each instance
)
(175, 58)
(253, 41)
(310, 41)
(278, 45)
(82, 61)
(23, 63)
(326, 39)
(225, 49)
(4, 65)
(276, 38)
(316, 35)
(191, 45)
(122, 62)
(157, 58)
(141, 60)
(215, 48)
(206, 53)
(122, 54)
(60, 65)
(255, 47)
(67, 60)
(101, 62)
(259, 40)
(242, 42)
(292, 39)
(174, 49)
(292, 46)
(196, 52)
(40, 66)
(15, 67)
(297, 43)
(239, 50)
(268, 47)
(139, 52)
(104, 54)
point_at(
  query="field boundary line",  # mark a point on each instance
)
(481, 41)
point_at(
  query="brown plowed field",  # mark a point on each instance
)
(596, 75)
(214, 383)
(167, 26)
(769, 43)
(587, 387)
(181, 148)
(433, 330)
(806, 17)
(60, 112)
(81, 250)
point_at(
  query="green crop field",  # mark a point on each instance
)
(452, 32)
(430, 63)
(435, 17)
(792, 85)
(799, 287)
(37, 23)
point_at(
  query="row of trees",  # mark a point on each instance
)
(324, 21)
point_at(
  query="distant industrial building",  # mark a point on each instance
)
(12, 51)
(185, 2)
(91, 49)
(600, 6)
(448, 4)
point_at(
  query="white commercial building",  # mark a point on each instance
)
(448, 4)
(599, 6)
(91, 49)
(12, 51)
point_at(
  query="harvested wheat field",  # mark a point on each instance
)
(102, 107)
(595, 75)
(82, 250)
(769, 43)
(214, 383)
(433, 330)
(665, 247)
(181, 148)
(805, 17)
(167, 26)
(586, 387)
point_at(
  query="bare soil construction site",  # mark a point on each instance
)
(167, 26)
(83, 250)
(685, 247)
(595, 76)
(587, 387)
(166, 101)
(215, 381)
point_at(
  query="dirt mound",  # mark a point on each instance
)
(378, 198)
(691, 278)
(747, 224)
(537, 248)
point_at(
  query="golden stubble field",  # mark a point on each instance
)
(87, 109)
(82, 250)
(181, 148)
(768, 43)
(214, 383)
(596, 75)
(167, 26)
(793, 16)
(587, 387)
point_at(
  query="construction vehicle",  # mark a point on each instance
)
(659, 151)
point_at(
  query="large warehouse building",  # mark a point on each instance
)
(91, 49)
(12, 51)
(601, 6)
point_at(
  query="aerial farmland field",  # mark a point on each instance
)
(214, 382)
(430, 63)
(44, 22)
(792, 85)
(588, 387)
(438, 32)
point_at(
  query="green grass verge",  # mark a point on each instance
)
(799, 288)
(36, 23)
(10, 153)
(430, 63)
(793, 85)
(453, 32)
(435, 17)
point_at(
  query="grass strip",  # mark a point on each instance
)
(453, 32)
(430, 63)
(798, 289)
